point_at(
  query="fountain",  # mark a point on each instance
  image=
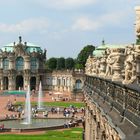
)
(27, 107)
(40, 95)
(34, 124)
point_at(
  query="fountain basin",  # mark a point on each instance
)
(14, 92)
(37, 124)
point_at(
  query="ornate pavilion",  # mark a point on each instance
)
(21, 64)
(112, 91)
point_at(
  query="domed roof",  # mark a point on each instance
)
(30, 47)
(99, 51)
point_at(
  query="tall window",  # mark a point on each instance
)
(5, 63)
(34, 63)
(78, 84)
(19, 63)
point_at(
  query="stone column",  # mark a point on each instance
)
(27, 62)
(26, 81)
(11, 85)
(11, 63)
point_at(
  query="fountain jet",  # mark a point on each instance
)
(40, 96)
(27, 107)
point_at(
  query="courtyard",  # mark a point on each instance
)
(62, 133)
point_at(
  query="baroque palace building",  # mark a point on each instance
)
(22, 64)
(112, 91)
(66, 80)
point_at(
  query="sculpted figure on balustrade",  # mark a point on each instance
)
(109, 63)
(103, 64)
(93, 70)
(130, 65)
(137, 25)
(88, 65)
(97, 66)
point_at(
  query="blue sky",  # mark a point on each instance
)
(64, 27)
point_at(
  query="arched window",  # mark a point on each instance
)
(78, 84)
(5, 63)
(34, 63)
(19, 63)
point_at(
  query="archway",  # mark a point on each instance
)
(33, 83)
(19, 82)
(5, 83)
(78, 84)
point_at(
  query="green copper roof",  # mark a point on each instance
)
(7, 49)
(30, 47)
(101, 49)
(28, 44)
(33, 49)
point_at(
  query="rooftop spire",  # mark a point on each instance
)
(20, 39)
(103, 42)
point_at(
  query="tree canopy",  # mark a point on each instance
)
(83, 55)
(60, 63)
(69, 63)
(138, 41)
(52, 63)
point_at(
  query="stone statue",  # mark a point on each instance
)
(97, 66)
(130, 66)
(88, 65)
(45, 51)
(93, 70)
(102, 68)
(110, 60)
(137, 26)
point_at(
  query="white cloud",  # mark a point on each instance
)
(86, 24)
(64, 4)
(25, 26)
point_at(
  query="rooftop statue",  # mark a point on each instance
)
(130, 65)
(137, 25)
(109, 62)
(88, 65)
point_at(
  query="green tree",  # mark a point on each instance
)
(79, 66)
(83, 55)
(52, 63)
(60, 63)
(69, 63)
(138, 41)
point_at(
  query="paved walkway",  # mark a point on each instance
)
(12, 98)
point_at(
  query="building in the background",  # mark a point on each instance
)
(112, 91)
(66, 80)
(22, 64)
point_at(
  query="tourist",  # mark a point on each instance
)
(52, 110)
(15, 100)
(45, 113)
(6, 116)
(2, 127)
(57, 110)
(19, 115)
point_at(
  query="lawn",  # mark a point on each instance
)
(60, 104)
(70, 134)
